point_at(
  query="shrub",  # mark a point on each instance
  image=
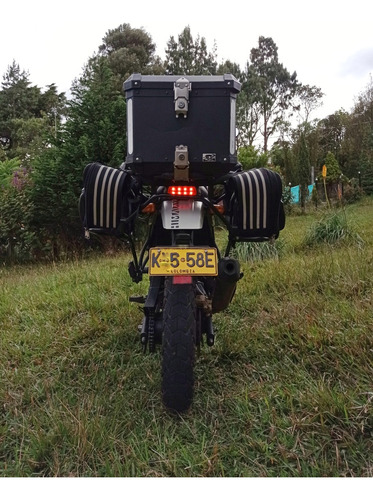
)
(17, 239)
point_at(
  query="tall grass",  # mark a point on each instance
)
(286, 390)
(333, 228)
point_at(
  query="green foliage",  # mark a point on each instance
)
(284, 392)
(189, 56)
(332, 228)
(255, 251)
(352, 193)
(129, 50)
(366, 162)
(333, 172)
(28, 116)
(251, 157)
(7, 167)
(284, 155)
(18, 99)
(332, 129)
(308, 99)
(269, 86)
(94, 131)
(357, 139)
(17, 239)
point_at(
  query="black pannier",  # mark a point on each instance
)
(109, 200)
(197, 113)
(254, 207)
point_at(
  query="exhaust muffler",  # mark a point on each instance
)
(226, 282)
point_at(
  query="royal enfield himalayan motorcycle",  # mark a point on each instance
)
(181, 173)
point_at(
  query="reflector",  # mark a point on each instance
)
(182, 280)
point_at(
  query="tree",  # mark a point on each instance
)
(251, 157)
(366, 163)
(94, 131)
(270, 88)
(307, 99)
(16, 237)
(248, 114)
(129, 50)
(27, 115)
(332, 132)
(188, 56)
(333, 171)
(18, 98)
(283, 154)
(356, 144)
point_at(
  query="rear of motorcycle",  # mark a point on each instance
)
(184, 266)
(181, 173)
(181, 140)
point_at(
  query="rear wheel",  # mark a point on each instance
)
(178, 345)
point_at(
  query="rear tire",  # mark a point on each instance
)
(178, 345)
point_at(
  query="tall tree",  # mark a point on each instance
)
(129, 50)
(94, 131)
(333, 171)
(27, 114)
(187, 56)
(366, 162)
(331, 133)
(18, 98)
(270, 88)
(307, 99)
(357, 140)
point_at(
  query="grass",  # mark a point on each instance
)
(286, 391)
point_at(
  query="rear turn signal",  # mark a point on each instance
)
(182, 190)
(149, 209)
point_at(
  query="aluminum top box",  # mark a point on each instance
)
(189, 120)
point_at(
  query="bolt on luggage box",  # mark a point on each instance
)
(194, 114)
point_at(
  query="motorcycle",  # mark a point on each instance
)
(190, 279)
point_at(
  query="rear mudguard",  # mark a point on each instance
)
(182, 214)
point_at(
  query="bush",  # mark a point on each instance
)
(17, 240)
(351, 193)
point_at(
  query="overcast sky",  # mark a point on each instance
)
(328, 43)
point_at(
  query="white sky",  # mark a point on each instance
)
(328, 43)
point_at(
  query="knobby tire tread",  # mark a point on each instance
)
(178, 345)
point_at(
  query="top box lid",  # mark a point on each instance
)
(137, 80)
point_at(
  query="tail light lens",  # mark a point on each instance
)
(182, 190)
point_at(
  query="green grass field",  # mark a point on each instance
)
(287, 390)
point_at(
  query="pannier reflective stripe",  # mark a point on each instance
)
(250, 181)
(254, 206)
(102, 190)
(109, 195)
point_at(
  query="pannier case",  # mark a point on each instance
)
(109, 198)
(192, 114)
(254, 207)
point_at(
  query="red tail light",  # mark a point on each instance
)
(182, 190)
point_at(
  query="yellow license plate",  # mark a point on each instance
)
(195, 261)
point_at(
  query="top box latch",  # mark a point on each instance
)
(182, 87)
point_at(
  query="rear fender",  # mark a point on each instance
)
(182, 214)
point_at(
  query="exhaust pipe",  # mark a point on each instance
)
(228, 275)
